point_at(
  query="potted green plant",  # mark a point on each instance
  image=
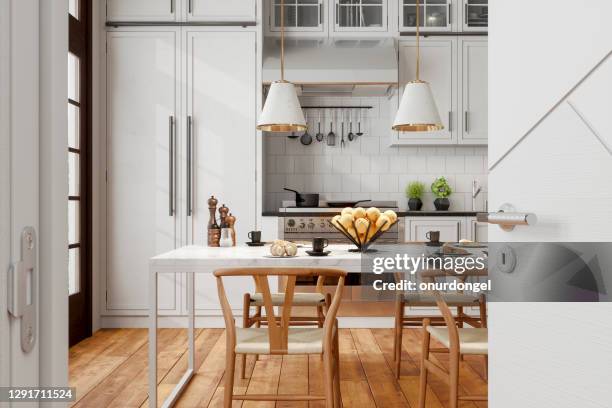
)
(442, 191)
(414, 192)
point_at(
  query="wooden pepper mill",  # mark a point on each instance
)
(223, 210)
(214, 231)
(231, 220)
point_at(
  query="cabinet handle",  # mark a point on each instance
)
(450, 121)
(171, 165)
(458, 231)
(475, 232)
(320, 13)
(171, 6)
(190, 6)
(465, 14)
(466, 123)
(450, 20)
(189, 165)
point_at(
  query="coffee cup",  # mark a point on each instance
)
(319, 244)
(255, 236)
(433, 236)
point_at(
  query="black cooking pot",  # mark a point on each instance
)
(305, 200)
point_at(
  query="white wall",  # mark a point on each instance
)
(550, 82)
(367, 168)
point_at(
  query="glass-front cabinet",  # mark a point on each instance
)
(360, 15)
(475, 15)
(434, 15)
(300, 15)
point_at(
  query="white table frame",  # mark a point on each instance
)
(192, 260)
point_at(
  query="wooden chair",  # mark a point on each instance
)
(457, 300)
(317, 299)
(280, 339)
(457, 342)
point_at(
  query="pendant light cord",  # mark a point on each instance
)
(418, 50)
(282, 61)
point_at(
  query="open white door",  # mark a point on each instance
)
(550, 153)
(19, 197)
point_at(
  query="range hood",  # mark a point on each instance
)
(352, 67)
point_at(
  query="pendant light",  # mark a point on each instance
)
(417, 110)
(282, 111)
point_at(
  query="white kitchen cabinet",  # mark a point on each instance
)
(452, 229)
(142, 180)
(142, 10)
(479, 231)
(222, 110)
(434, 15)
(439, 68)
(473, 70)
(221, 10)
(474, 15)
(360, 16)
(302, 17)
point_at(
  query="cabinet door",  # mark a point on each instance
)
(226, 10)
(434, 15)
(141, 10)
(475, 15)
(451, 230)
(474, 96)
(142, 106)
(439, 68)
(360, 15)
(301, 16)
(221, 107)
(479, 231)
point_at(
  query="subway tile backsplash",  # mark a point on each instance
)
(368, 168)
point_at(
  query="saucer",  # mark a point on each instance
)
(256, 244)
(434, 244)
(313, 253)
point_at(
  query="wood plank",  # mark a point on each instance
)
(410, 371)
(386, 391)
(293, 380)
(353, 383)
(264, 380)
(92, 362)
(126, 373)
(315, 379)
(240, 385)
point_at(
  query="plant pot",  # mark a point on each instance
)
(415, 204)
(442, 204)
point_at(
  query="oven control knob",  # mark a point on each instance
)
(291, 223)
(322, 225)
(311, 225)
(302, 225)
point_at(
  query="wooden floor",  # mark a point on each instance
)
(110, 370)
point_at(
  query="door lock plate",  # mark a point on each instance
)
(22, 296)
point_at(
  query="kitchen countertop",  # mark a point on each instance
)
(399, 213)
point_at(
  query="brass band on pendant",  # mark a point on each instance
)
(277, 127)
(417, 127)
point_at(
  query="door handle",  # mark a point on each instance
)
(171, 166)
(189, 164)
(171, 6)
(466, 122)
(190, 6)
(22, 294)
(450, 121)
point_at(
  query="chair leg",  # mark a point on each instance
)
(454, 379)
(337, 394)
(230, 365)
(320, 316)
(328, 365)
(460, 317)
(258, 325)
(424, 357)
(246, 322)
(397, 343)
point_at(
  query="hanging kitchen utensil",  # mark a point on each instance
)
(351, 135)
(305, 200)
(319, 135)
(306, 139)
(342, 139)
(359, 132)
(331, 136)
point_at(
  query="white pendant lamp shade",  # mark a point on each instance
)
(417, 111)
(282, 111)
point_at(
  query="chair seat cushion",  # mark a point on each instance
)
(451, 299)
(471, 341)
(301, 340)
(299, 299)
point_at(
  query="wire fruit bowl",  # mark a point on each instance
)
(363, 245)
